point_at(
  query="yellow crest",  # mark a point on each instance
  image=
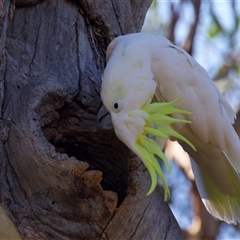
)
(158, 124)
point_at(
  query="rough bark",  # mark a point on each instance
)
(61, 177)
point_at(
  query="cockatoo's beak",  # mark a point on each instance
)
(104, 119)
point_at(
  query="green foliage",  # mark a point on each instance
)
(214, 28)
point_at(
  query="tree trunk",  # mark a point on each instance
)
(61, 177)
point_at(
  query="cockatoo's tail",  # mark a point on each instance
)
(158, 124)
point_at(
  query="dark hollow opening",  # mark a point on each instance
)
(73, 131)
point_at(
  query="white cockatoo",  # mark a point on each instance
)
(154, 90)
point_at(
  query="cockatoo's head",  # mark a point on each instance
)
(124, 98)
(127, 91)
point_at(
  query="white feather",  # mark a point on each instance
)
(137, 60)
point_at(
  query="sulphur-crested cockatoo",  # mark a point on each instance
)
(154, 90)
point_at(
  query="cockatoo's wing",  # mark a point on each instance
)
(218, 149)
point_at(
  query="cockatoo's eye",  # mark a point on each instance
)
(118, 105)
